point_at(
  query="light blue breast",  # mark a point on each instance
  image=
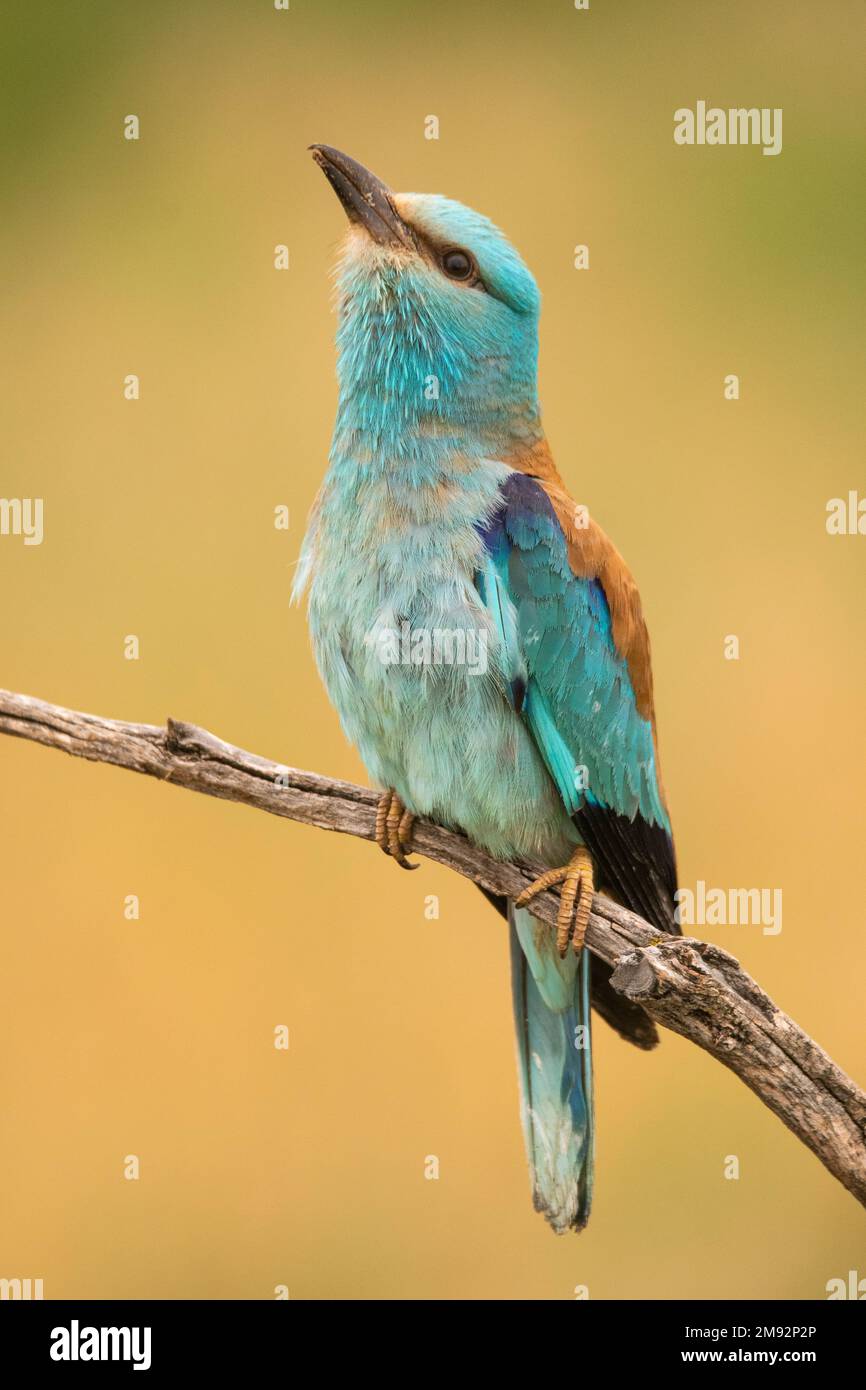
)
(443, 735)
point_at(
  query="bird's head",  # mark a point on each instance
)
(438, 332)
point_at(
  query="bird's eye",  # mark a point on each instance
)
(458, 264)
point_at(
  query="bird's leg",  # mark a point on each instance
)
(575, 899)
(394, 828)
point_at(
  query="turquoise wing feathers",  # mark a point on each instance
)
(574, 691)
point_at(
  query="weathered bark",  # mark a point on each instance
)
(693, 988)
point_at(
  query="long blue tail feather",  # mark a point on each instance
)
(552, 1020)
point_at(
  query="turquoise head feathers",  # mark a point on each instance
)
(438, 323)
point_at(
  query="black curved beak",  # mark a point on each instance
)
(366, 199)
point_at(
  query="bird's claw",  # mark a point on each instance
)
(394, 828)
(575, 899)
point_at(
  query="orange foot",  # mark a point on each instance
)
(575, 899)
(394, 828)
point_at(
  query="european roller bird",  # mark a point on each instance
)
(479, 635)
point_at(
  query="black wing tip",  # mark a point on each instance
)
(636, 861)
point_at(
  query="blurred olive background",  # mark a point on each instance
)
(306, 1168)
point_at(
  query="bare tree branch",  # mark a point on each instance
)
(694, 988)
